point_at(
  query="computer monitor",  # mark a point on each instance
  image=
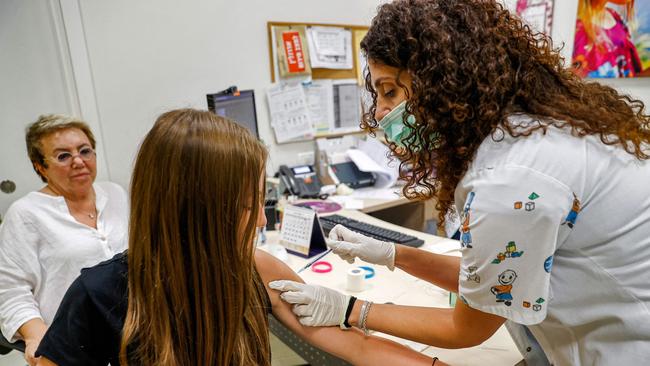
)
(236, 105)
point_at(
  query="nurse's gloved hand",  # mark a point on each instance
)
(350, 245)
(314, 305)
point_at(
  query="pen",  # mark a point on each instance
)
(314, 261)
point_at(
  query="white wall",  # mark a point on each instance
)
(150, 56)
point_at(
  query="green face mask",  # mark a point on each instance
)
(393, 124)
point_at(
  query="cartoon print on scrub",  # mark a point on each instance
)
(529, 206)
(548, 263)
(465, 234)
(536, 307)
(503, 290)
(472, 275)
(570, 220)
(511, 252)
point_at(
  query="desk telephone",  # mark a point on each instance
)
(301, 180)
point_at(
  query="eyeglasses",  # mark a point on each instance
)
(65, 158)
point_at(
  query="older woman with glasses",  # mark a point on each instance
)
(49, 235)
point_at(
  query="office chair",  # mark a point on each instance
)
(6, 347)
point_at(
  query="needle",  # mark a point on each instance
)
(314, 261)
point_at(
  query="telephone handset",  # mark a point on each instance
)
(301, 181)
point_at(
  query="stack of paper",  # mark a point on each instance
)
(372, 156)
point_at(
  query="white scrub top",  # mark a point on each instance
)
(555, 235)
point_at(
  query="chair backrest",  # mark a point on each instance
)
(6, 346)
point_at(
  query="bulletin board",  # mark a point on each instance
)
(316, 68)
(358, 32)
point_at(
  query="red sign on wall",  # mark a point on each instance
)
(294, 51)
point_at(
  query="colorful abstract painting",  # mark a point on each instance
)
(612, 39)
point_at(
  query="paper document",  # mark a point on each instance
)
(370, 157)
(380, 153)
(330, 47)
(320, 103)
(347, 104)
(289, 114)
(361, 62)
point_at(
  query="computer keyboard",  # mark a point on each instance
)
(328, 223)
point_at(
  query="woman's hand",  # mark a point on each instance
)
(314, 305)
(32, 332)
(350, 245)
(31, 345)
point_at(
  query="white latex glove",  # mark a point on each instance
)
(314, 305)
(349, 245)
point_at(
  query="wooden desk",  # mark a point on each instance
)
(401, 288)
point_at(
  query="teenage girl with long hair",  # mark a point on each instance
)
(191, 289)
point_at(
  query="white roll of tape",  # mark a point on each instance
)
(356, 277)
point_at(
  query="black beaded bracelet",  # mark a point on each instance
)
(348, 311)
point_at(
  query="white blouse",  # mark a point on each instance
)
(43, 248)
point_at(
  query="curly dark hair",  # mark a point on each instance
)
(473, 64)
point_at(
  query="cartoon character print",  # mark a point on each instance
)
(465, 234)
(472, 275)
(511, 252)
(548, 264)
(503, 290)
(570, 220)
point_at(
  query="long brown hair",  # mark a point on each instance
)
(473, 64)
(195, 297)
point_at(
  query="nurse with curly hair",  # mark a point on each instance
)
(484, 117)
